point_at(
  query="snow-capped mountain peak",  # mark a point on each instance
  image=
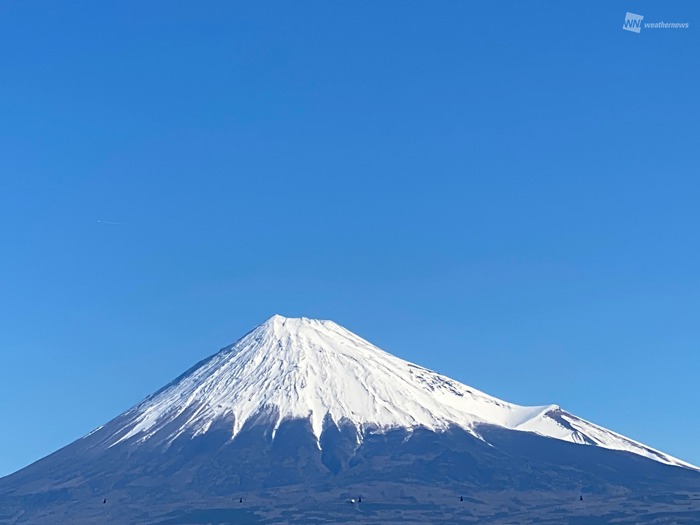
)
(313, 369)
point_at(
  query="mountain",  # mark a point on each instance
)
(301, 416)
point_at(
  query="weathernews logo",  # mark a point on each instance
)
(633, 22)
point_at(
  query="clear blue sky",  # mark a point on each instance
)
(506, 192)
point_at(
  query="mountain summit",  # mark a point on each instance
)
(301, 421)
(300, 368)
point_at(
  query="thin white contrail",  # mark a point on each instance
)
(111, 222)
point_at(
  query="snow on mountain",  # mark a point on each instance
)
(306, 368)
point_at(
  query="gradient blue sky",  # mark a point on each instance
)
(506, 192)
